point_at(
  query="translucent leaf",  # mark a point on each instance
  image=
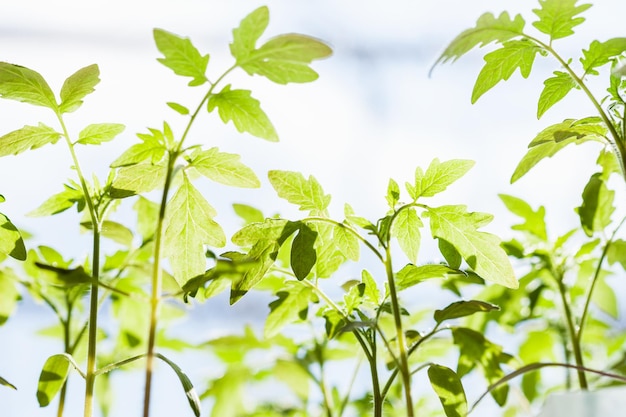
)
(179, 108)
(190, 392)
(372, 293)
(411, 275)
(151, 149)
(292, 305)
(248, 213)
(488, 29)
(329, 256)
(502, 63)
(393, 194)
(181, 56)
(270, 229)
(25, 85)
(66, 277)
(346, 242)
(262, 255)
(597, 207)
(306, 193)
(462, 309)
(11, 242)
(28, 137)
(244, 111)
(617, 253)
(303, 255)
(605, 299)
(95, 134)
(534, 220)
(481, 250)
(147, 214)
(114, 231)
(52, 378)
(77, 86)
(557, 18)
(406, 228)
(224, 168)
(554, 90)
(448, 387)
(190, 226)
(137, 179)
(9, 295)
(248, 33)
(602, 53)
(61, 202)
(438, 177)
(6, 383)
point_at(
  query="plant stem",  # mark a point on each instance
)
(578, 357)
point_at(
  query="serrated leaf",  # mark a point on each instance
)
(292, 305)
(147, 215)
(557, 18)
(244, 111)
(190, 226)
(488, 29)
(462, 309)
(181, 56)
(6, 383)
(534, 220)
(224, 168)
(502, 63)
(61, 202)
(556, 137)
(447, 385)
(617, 253)
(77, 86)
(270, 229)
(248, 33)
(306, 193)
(11, 242)
(411, 275)
(178, 108)
(25, 85)
(438, 176)
(286, 58)
(137, 179)
(303, 255)
(346, 242)
(28, 137)
(602, 53)
(151, 149)
(190, 392)
(52, 377)
(393, 194)
(597, 207)
(406, 229)
(481, 250)
(95, 134)
(554, 90)
(261, 256)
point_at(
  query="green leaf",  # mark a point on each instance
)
(61, 201)
(77, 86)
(137, 179)
(151, 149)
(602, 53)
(67, 277)
(406, 228)
(190, 226)
(534, 220)
(447, 385)
(52, 378)
(438, 177)
(488, 29)
(270, 229)
(95, 134)
(181, 56)
(346, 241)
(411, 275)
(11, 242)
(190, 392)
(286, 58)
(248, 213)
(224, 168)
(25, 85)
(462, 309)
(597, 207)
(9, 294)
(502, 63)
(617, 253)
(329, 256)
(178, 108)
(28, 137)
(7, 383)
(372, 293)
(556, 137)
(557, 18)
(114, 231)
(147, 215)
(393, 194)
(481, 250)
(554, 90)
(306, 193)
(244, 111)
(248, 33)
(303, 255)
(261, 256)
(292, 305)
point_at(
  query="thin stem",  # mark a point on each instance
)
(578, 357)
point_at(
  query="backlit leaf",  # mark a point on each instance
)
(372, 293)
(95, 134)
(617, 253)
(248, 33)
(597, 207)
(9, 294)
(60, 202)
(534, 220)
(406, 228)
(462, 309)
(438, 177)
(114, 231)
(346, 242)
(151, 149)
(77, 86)
(25, 85)
(181, 56)
(244, 111)
(178, 108)
(602, 53)
(248, 213)
(28, 137)
(6, 383)
(11, 242)
(262, 255)
(292, 305)
(411, 275)
(224, 168)
(557, 18)
(393, 194)
(448, 387)
(306, 193)
(52, 378)
(554, 90)
(137, 179)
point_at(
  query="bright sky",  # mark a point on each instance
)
(373, 114)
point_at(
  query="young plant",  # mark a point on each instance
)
(294, 257)
(178, 227)
(576, 277)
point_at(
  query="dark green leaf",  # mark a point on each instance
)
(25, 85)
(95, 134)
(181, 56)
(28, 137)
(77, 86)
(7, 383)
(11, 242)
(52, 378)
(303, 255)
(190, 392)
(557, 17)
(448, 387)
(463, 309)
(224, 168)
(67, 277)
(597, 207)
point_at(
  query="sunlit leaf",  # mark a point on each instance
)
(136, 179)
(248, 213)
(25, 85)
(178, 108)
(246, 35)
(306, 193)
(6, 383)
(77, 86)
(597, 207)
(411, 275)
(292, 305)
(393, 194)
(554, 90)
(95, 134)
(9, 294)
(224, 168)
(151, 149)
(406, 228)
(181, 56)
(372, 293)
(11, 242)
(602, 53)
(52, 378)
(28, 137)
(534, 221)
(114, 231)
(60, 202)
(346, 242)
(438, 177)
(449, 389)
(557, 18)
(462, 309)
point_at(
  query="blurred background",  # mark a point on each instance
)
(374, 114)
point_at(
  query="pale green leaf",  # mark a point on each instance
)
(248, 33)
(137, 179)
(25, 85)
(248, 213)
(554, 90)
(224, 168)
(481, 250)
(147, 215)
(261, 257)
(557, 18)
(95, 134)
(269, 229)
(502, 63)
(597, 207)
(52, 378)
(346, 241)
(306, 193)
(178, 108)
(463, 309)
(244, 111)
(602, 53)
(411, 275)
(605, 299)
(393, 194)
(447, 385)
(9, 294)
(438, 177)
(228, 392)
(114, 231)
(77, 86)
(28, 137)
(406, 228)
(151, 149)
(292, 305)
(534, 220)
(190, 226)
(181, 56)
(329, 256)
(372, 293)
(60, 202)
(11, 242)
(617, 253)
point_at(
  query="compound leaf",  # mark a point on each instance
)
(534, 220)
(557, 18)
(601, 53)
